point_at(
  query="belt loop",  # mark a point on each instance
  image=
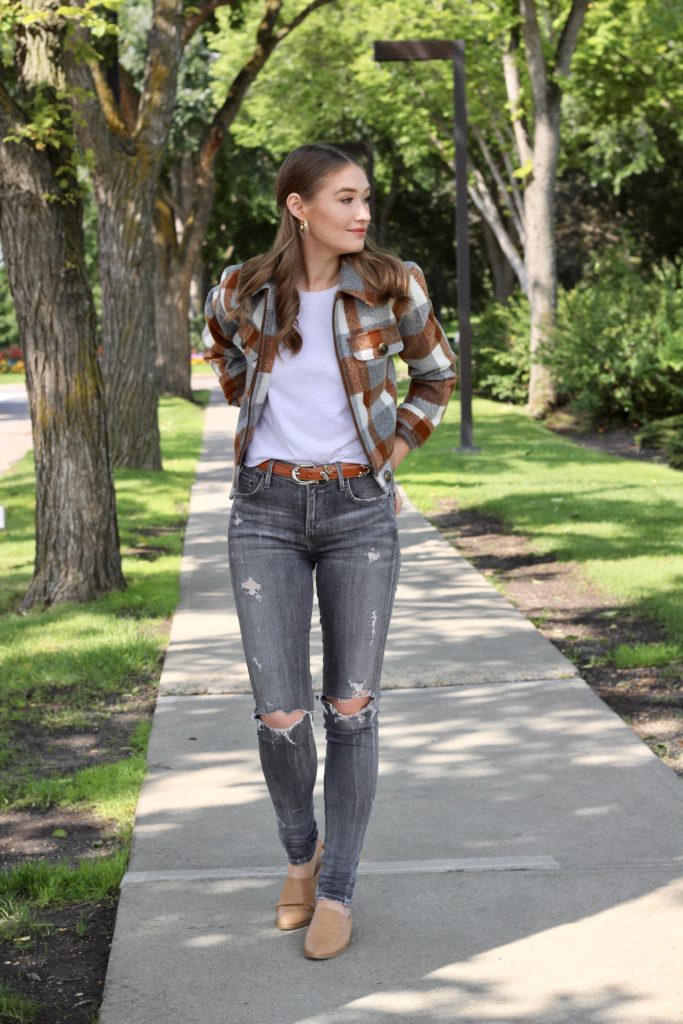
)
(340, 475)
(269, 472)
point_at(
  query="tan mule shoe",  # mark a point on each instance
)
(328, 935)
(296, 901)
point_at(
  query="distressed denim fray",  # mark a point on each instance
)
(282, 537)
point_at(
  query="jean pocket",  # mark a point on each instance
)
(250, 482)
(364, 490)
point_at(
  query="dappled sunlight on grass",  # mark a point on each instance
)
(621, 519)
(42, 885)
(74, 656)
(110, 790)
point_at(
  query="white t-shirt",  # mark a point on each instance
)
(306, 416)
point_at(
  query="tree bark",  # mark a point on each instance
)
(481, 196)
(173, 348)
(179, 264)
(183, 211)
(501, 238)
(77, 543)
(502, 274)
(541, 255)
(539, 195)
(199, 287)
(126, 164)
(126, 263)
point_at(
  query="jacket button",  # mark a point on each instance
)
(387, 474)
(383, 348)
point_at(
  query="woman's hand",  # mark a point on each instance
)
(399, 453)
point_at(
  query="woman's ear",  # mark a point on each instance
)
(295, 205)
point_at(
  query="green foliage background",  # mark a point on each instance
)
(620, 185)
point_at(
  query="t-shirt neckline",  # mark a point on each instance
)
(320, 291)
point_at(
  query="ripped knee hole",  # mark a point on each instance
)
(282, 719)
(349, 705)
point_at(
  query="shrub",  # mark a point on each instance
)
(500, 351)
(666, 434)
(617, 350)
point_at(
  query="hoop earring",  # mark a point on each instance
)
(303, 228)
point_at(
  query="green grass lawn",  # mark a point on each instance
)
(65, 668)
(620, 519)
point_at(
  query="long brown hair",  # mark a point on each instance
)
(305, 170)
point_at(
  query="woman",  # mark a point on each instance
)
(302, 338)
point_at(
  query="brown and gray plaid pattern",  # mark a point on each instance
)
(368, 333)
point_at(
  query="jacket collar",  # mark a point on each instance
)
(350, 282)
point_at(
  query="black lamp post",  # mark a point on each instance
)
(451, 49)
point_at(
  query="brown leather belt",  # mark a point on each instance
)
(309, 472)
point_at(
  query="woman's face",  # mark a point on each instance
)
(339, 213)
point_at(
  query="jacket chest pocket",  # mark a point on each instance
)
(378, 343)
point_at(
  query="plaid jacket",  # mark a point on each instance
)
(367, 334)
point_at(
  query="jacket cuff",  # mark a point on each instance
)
(410, 438)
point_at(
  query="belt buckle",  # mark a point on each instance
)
(295, 470)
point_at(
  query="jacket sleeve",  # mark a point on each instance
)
(431, 363)
(226, 358)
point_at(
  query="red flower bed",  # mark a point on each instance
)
(11, 359)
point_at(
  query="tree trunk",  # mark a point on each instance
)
(179, 246)
(126, 262)
(539, 197)
(199, 287)
(502, 273)
(174, 350)
(177, 243)
(541, 262)
(77, 543)
(127, 143)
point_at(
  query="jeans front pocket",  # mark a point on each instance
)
(364, 490)
(250, 482)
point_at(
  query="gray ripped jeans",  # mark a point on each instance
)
(280, 534)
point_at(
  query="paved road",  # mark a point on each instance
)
(15, 419)
(15, 424)
(524, 862)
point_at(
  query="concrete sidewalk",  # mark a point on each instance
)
(524, 861)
